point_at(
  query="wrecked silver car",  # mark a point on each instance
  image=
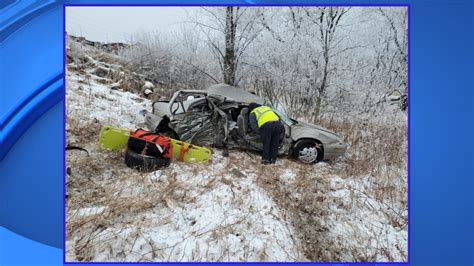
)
(218, 117)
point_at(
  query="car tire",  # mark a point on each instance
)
(308, 151)
(144, 163)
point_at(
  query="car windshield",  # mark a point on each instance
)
(284, 117)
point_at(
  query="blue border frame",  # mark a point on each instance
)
(408, 6)
(64, 130)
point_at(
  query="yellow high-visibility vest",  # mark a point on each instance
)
(264, 114)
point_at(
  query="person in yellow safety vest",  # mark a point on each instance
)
(265, 122)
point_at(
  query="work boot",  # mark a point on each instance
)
(265, 161)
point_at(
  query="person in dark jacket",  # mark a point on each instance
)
(265, 122)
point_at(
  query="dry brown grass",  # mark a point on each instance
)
(379, 150)
(126, 195)
(376, 150)
(109, 68)
(302, 201)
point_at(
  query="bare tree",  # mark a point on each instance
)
(322, 24)
(229, 56)
(228, 32)
(397, 71)
(310, 62)
(309, 37)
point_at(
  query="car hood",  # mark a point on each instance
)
(306, 130)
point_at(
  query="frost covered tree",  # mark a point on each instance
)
(312, 62)
(396, 52)
(327, 60)
(228, 32)
(302, 43)
(229, 60)
(379, 70)
(197, 70)
(319, 25)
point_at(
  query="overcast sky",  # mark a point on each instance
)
(119, 24)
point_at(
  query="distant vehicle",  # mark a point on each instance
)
(218, 117)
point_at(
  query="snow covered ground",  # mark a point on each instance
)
(183, 213)
(230, 209)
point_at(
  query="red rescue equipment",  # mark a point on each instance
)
(160, 145)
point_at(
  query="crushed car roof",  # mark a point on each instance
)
(234, 93)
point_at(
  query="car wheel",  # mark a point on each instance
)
(144, 163)
(308, 151)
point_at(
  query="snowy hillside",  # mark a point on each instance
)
(231, 209)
